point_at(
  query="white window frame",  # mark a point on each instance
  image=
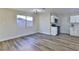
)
(29, 19)
(26, 20)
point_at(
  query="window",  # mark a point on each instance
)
(23, 21)
(29, 21)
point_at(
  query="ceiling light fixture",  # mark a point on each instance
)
(38, 10)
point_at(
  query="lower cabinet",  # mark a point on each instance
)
(54, 30)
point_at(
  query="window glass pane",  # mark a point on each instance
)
(29, 18)
(29, 21)
(21, 16)
(21, 21)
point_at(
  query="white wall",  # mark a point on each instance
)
(36, 22)
(44, 23)
(9, 28)
(64, 23)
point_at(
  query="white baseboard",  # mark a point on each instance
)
(15, 37)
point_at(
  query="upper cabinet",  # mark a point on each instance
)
(54, 19)
(74, 19)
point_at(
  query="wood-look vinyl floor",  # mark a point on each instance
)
(41, 42)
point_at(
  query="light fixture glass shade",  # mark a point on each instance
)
(37, 10)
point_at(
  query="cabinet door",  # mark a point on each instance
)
(74, 31)
(77, 19)
(52, 19)
(72, 19)
(53, 30)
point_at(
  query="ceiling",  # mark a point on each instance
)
(66, 10)
(54, 10)
(30, 9)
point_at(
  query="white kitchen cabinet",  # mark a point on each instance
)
(74, 19)
(77, 19)
(74, 28)
(72, 31)
(54, 30)
(52, 19)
